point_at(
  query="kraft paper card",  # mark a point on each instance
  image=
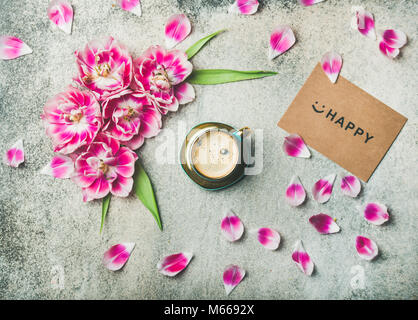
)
(343, 122)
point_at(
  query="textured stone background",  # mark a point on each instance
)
(45, 226)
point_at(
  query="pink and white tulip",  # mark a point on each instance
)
(104, 67)
(175, 263)
(12, 47)
(268, 238)
(232, 227)
(324, 224)
(295, 193)
(105, 167)
(160, 73)
(366, 248)
(117, 256)
(394, 38)
(294, 146)
(245, 7)
(331, 63)
(232, 276)
(302, 259)
(60, 12)
(133, 6)
(60, 166)
(281, 39)
(365, 23)
(130, 118)
(176, 30)
(376, 213)
(350, 186)
(307, 3)
(15, 155)
(322, 189)
(72, 119)
(389, 52)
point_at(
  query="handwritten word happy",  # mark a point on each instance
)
(340, 121)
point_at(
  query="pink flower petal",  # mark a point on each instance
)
(133, 6)
(376, 213)
(184, 93)
(302, 259)
(281, 39)
(307, 3)
(350, 185)
(331, 63)
(117, 255)
(175, 263)
(294, 146)
(268, 237)
(388, 51)
(324, 224)
(322, 189)
(60, 12)
(295, 193)
(176, 30)
(232, 227)
(60, 167)
(15, 155)
(394, 38)
(365, 23)
(232, 276)
(366, 248)
(244, 7)
(12, 47)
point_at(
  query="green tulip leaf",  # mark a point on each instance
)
(218, 76)
(199, 44)
(105, 209)
(144, 191)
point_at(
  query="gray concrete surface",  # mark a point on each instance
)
(46, 229)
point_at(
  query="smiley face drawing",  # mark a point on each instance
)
(315, 106)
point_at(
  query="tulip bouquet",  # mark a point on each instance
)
(116, 102)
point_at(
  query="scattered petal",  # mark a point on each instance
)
(60, 12)
(394, 38)
(176, 30)
(307, 3)
(133, 6)
(295, 193)
(366, 248)
(365, 23)
(376, 213)
(12, 47)
(322, 189)
(302, 259)
(175, 263)
(60, 167)
(388, 51)
(281, 39)
(268, 237)
(15, 155)
(294, 146)
(116, 257)
(184, 93)
(324, 224)
(244, 7)
(232, 276)
(331, 63)
(350, 185)
(232, 227)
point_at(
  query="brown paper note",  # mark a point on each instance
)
(343, 122)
